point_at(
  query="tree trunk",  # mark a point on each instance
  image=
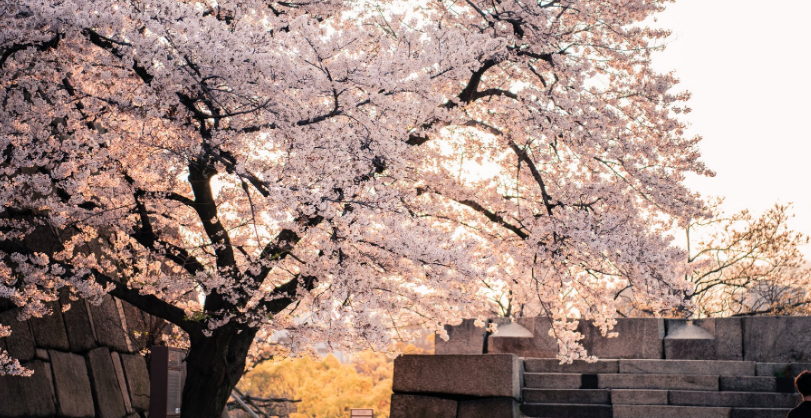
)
(213, 367)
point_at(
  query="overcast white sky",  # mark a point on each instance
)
(748, 66)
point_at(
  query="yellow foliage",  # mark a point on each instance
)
(327, 388)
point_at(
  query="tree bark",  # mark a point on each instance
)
(213, 367)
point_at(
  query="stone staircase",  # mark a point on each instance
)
(658, 389)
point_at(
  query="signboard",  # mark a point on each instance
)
(361, 413)
(165, 382)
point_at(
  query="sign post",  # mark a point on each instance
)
(165, 382)
(361, 413)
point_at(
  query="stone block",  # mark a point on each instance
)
(488, 408)
(20, 344)
(690, 339)
(638, 338)
(484, 376)
(29, 397)
(41, 354)
(686, 349)
(107, 324)
(575, 396)
(668, 411)
(72, 384)
(137, 376)
(511, 337)
(77, 325)
(553, 380)
(657, 381)
(777, 339)
(706, 367)
(728, 339)
(639, 397)
(122, 383)
(109, 403)
(545, 365)
(415, 406)
(465, 338)
(49, 331)
(566, 410)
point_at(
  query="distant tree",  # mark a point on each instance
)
(298, 163)
(742, 265)
(325, 387)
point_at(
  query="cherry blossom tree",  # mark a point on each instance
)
(347, 172)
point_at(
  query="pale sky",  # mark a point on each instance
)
(748, 66)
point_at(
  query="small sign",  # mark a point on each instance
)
(165, 382)
(361, 413)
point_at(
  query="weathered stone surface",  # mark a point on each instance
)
(667, 411)
(20, 344)
(72, 385)
(638, 338)
(657, 381)
(566, 410)
(511, 337)
(734, 399)
(107, 324)
(49, 331)
(41, 354)
(551, 365)
(638, 397)
(704, 339)
(707, 367)
(485, 376)
(77, 325)
(488, 408)
(689, 349)
(415, 406)
(109, 403)
(759, 413)
(137, 376)
(122, 383)
(748, 384)
(791, 370)
(728, 339)
(27, 396)
(539, 345)
(577, 396)
(465, 338)
(777, 339)
(553, 380)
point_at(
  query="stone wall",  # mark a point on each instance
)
(456, 386)
(85, 364)
(777, 339)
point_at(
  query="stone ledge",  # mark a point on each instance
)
(482, 376)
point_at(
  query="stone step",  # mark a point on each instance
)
(552, 365)
(733, 399)
(553, 380)
(756, 384)
(620, 381)
(759, 413)
(566, 411)
(695, 367)
(567, 396)
(638, 397)
(657, 381)
(669, 411)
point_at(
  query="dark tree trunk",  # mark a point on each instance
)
(213, 367)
